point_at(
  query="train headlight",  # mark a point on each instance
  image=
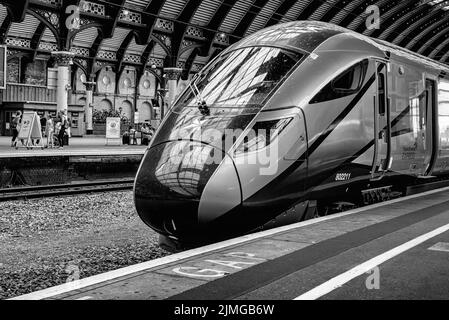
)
(262, 134)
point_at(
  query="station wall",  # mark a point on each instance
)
(27, 81)
(114, 93)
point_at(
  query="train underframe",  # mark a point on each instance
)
(345, 197)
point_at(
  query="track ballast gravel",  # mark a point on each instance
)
(50, 241)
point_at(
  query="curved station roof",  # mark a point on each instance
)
(188, 33)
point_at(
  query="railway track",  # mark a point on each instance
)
(65, 189)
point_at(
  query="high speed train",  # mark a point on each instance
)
(293, 122)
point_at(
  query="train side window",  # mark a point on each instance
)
(443, 115)
(347, 83)
(382, 97)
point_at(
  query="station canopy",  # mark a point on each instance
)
(155, 34)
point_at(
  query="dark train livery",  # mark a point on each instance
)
(291, 123)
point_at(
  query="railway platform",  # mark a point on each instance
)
(393, 250)
(85, 159)
(95, 145)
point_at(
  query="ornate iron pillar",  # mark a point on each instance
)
(172, 76)
(64, 60)
(89, 107)
(161, 93)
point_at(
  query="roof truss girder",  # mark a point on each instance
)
(16, 9)
(214, 24)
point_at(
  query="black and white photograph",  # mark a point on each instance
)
(220, 158)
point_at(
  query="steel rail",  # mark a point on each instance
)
(45, 191)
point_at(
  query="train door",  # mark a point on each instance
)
(427, 110)
(382, 128)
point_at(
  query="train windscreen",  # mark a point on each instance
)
(239, 81)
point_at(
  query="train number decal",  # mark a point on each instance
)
(342, 176)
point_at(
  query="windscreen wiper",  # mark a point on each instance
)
(202, 105)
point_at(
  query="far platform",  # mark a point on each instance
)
(85, 146)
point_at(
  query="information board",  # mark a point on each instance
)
(30, 131)
(112, 128)
(112, 131)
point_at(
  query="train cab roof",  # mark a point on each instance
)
(303, 35)
(308, 36)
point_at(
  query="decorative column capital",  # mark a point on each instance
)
(89, 85)
(63, 58)
(173, 73)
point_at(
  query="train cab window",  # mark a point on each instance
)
(347, 83)
(240, 81)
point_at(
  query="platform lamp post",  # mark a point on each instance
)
(89, 107)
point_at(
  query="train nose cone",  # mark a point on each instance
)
(221, 194)
(176, 192)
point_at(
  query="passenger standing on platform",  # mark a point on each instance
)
(62, 130)
(50, 130)
(56, 133)
(15, 126)
(37, 141)
(67, 128)
(132, 135)
(43, 126)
